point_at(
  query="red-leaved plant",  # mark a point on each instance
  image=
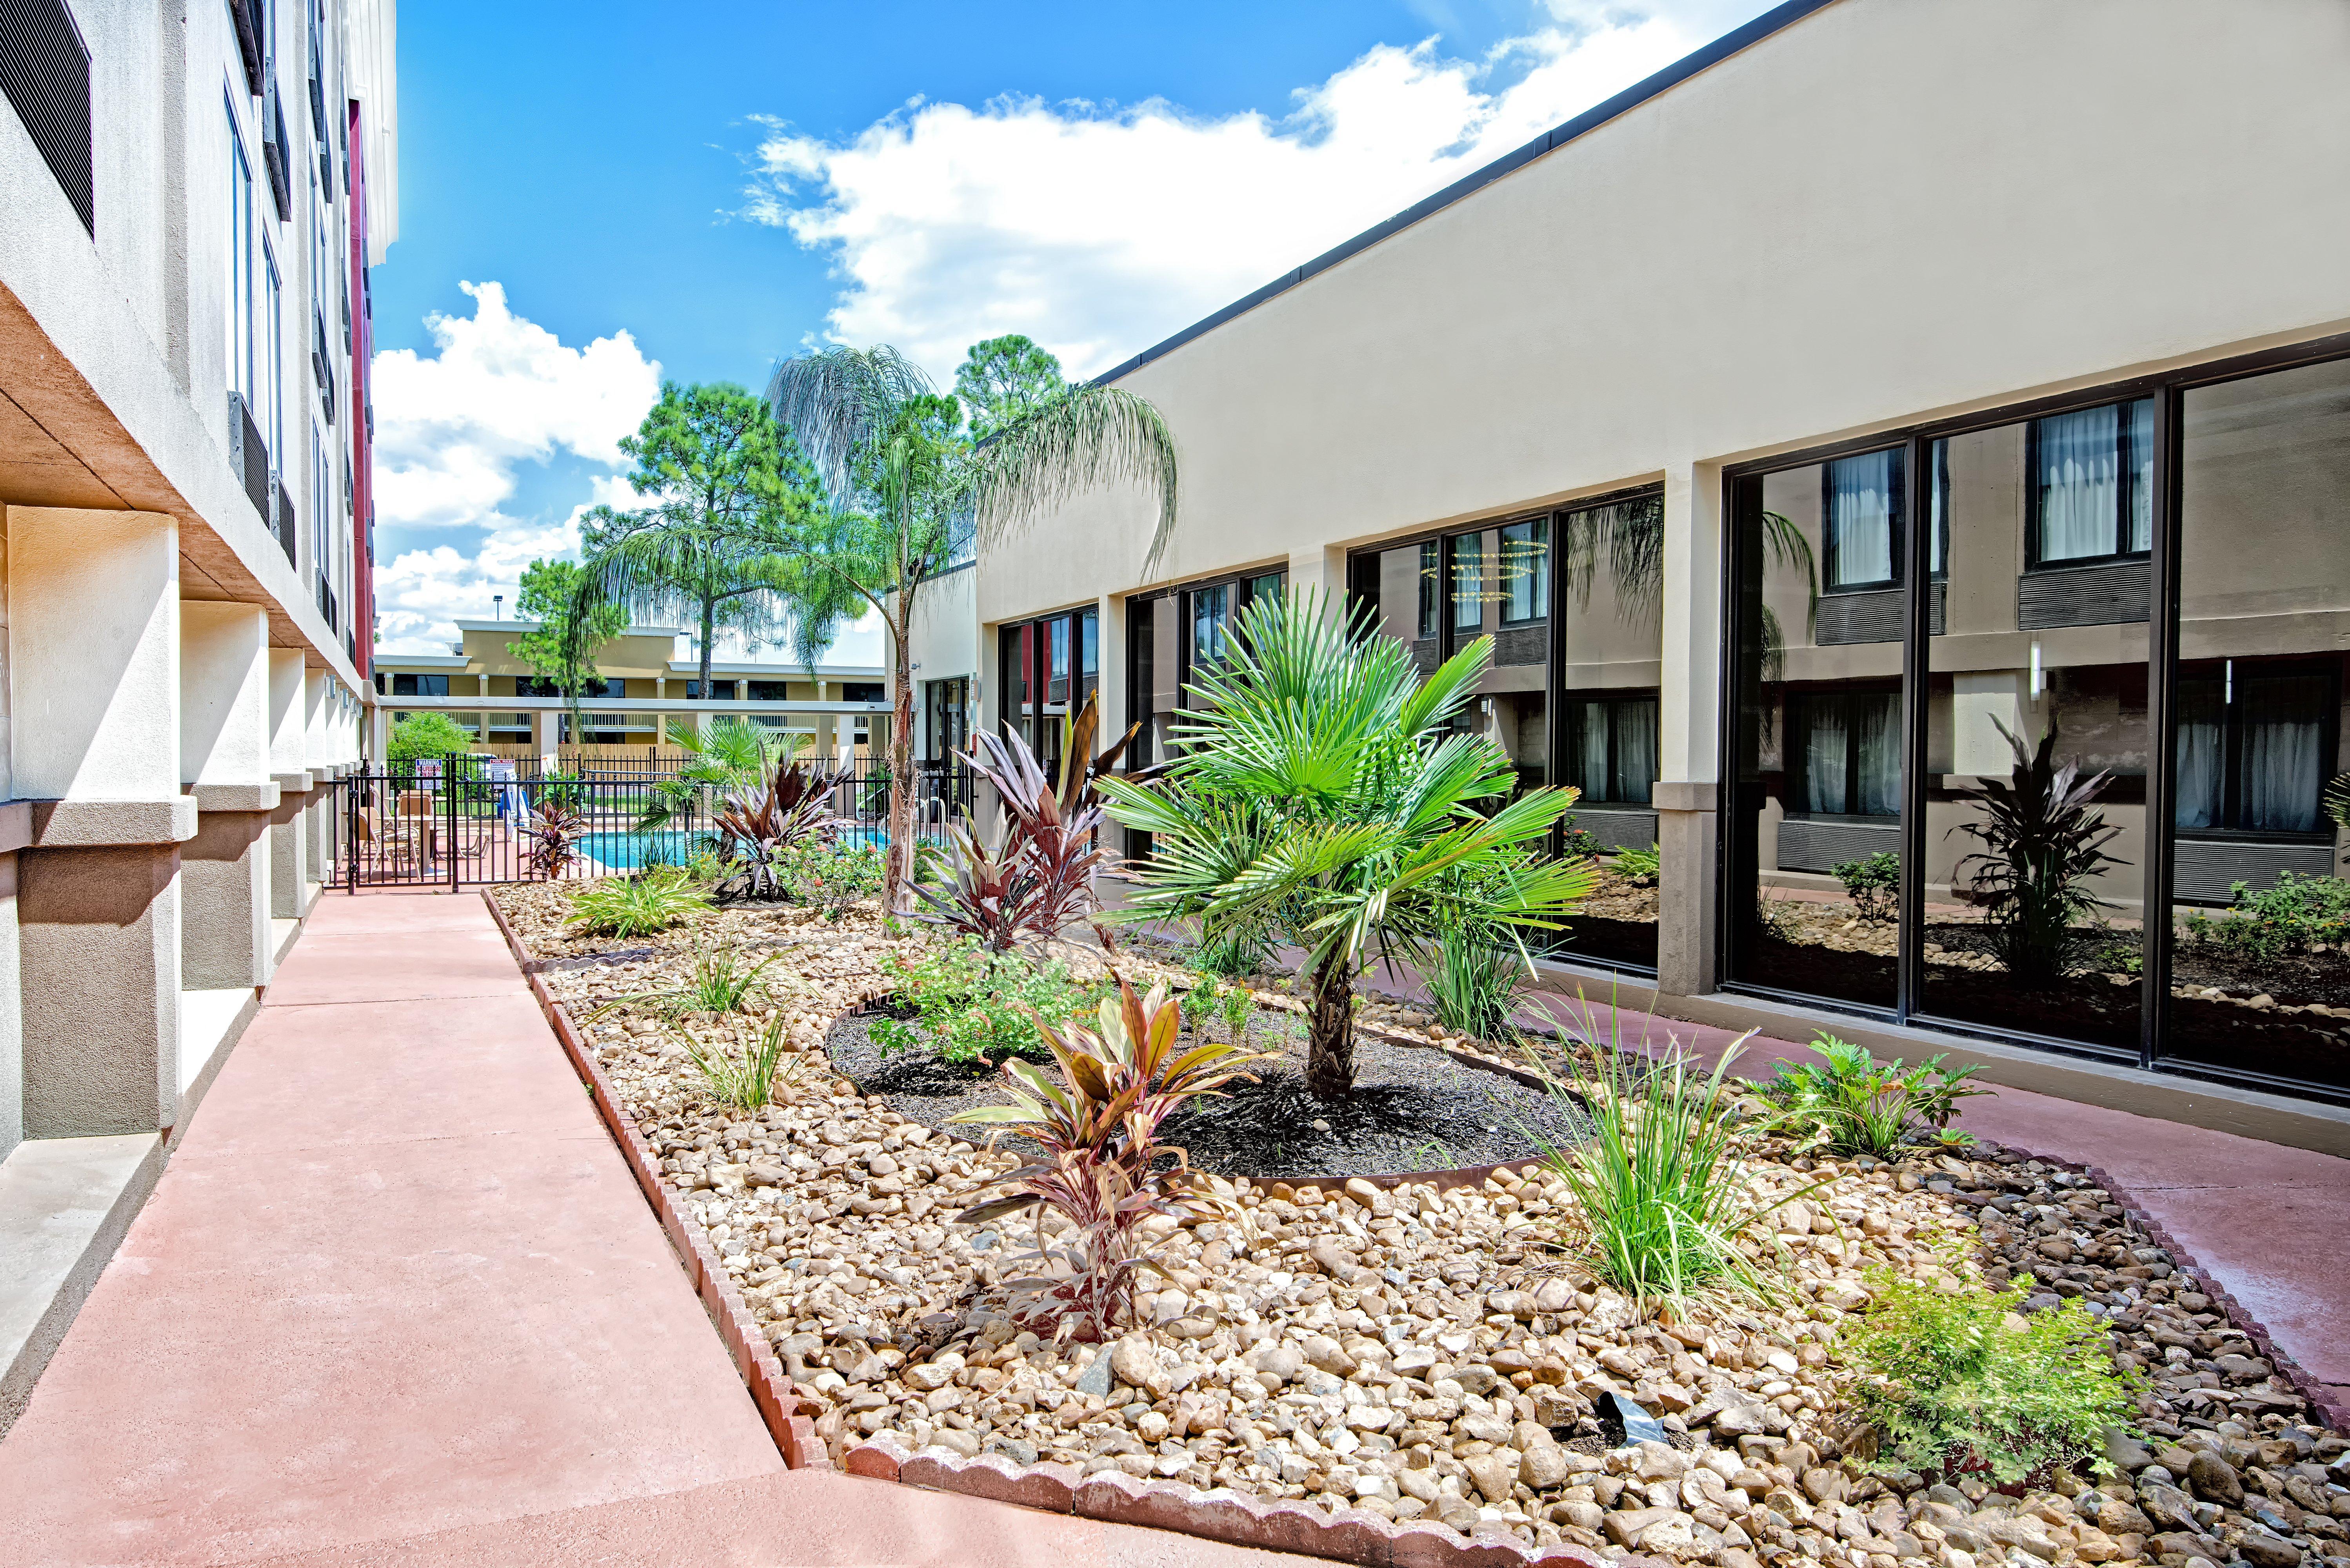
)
(1099, 1163)
(756, 829)
(552, 833)
(1037, 878)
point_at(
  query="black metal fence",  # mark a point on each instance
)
(463, 822)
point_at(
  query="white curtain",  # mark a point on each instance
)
(1878, 717)
(1824, 754)
(2202, 754)
(1860, 518)
(2283, 773)
(2080, 484)
(2141, 447)
(1588, 759)
(1636, 750)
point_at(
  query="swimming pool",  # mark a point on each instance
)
(628, 851)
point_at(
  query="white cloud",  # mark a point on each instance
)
(454, 427)
(1099, 231)
(503, 390)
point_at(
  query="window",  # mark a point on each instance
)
(862, 692)
(1844, 752)
(2092, 483)
(1057, 675)
(2254, 744)
(273, 349)
(322, 549)
(240, 264)
(1525, 571)
(1267, 585)
(420, 686)
(1212, 617)
(770, 691)
(1428, 588)
(947, 702)
(1611, 747)
(1468, 580)
(720, 691)
(1088, 654)
(1861, 502)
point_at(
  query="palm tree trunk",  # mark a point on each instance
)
(708, 623)
(898, 868)
(1330, 1028)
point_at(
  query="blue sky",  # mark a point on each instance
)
(689, 193)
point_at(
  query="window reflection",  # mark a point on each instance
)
(2260, 966)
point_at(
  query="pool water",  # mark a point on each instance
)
(618, 851)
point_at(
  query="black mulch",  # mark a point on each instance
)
(1412, 1109)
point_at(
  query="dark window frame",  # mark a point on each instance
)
(1896, 522)
(1791, 750)
(1615, 699)
(1541, 522)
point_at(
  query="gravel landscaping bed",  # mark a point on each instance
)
(1440, 1354)
(1414, 1109)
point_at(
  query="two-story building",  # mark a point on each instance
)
(649, 687)
(1886, 378)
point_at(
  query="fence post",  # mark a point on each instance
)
(450, 785)
(351, 786)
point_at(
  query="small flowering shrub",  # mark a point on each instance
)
(1966, 1381)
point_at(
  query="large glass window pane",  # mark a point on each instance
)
(1211, 624)
(1468, 585)
(2035, 895)
(1816, 808)
(2262, 918)
(1525, 571)
(1057, 680)
(1611, 600)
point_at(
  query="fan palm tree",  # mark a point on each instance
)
(734, 754)
(1320, 789)
(907, 493)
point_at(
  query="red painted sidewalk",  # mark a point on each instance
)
(397, 1300)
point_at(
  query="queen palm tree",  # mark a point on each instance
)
(907, 492)
(1320, 790)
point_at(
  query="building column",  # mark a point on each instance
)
(224, 888)
(94, 707)
(289, 767)
(1111, 608)
(318, 811)
(1322, 568)
(1689, 719)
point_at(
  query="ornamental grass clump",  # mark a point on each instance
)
(637, 906)
(1966, 1383)
(1098, 1162)
(719, 984)
(1662, 1182)
(1852, 1104)
(747, 1078)
(1474, 984)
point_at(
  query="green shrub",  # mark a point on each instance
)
(426, 734)
(1576, 843)
(829, 876)
(1851, 1102)
(1661, 1180)
(2297, 914)
(1872, 883)
(1964, 1381)
(1237, 1004)
(1231, 949)
(971, 1004)
(1641, 866)
(636, 906)
(1473, 984)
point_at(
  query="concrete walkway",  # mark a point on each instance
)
(396, 1299)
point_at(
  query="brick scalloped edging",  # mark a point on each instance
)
(1344, 1535)
(780, 1406)
(2327, 1405)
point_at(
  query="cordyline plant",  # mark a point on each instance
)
(2042, 844)
(1036, 878)
(757, 830)
(1319, 788)
(552, 833)
(1099, 1163)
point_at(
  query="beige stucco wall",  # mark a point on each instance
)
(1891, 210)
